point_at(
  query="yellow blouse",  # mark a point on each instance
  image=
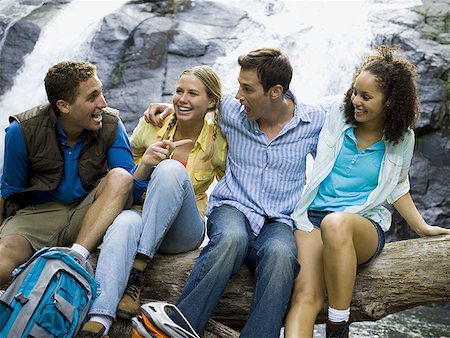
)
(201, 171)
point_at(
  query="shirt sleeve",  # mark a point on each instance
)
(220, 155)
(329, 103)
(138, 146)
(228, 108)
(15, 163)
(403, 186)
(119, 155)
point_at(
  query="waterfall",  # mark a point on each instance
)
(62, 38)
(325, 40)
(14, 11)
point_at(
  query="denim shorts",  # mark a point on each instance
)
(316, 217)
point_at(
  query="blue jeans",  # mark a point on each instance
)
(170, 223)
(272, 255)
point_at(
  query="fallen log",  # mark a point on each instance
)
(406, 274)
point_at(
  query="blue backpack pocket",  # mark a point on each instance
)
(50, 296)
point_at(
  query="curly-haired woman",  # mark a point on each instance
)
(363, 157)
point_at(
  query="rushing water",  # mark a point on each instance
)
(316, 39)
(324, 48)
(324, 39)
(60, 39)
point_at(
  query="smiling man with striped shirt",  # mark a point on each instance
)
(269, 134)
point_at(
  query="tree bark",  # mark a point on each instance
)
(406, 274)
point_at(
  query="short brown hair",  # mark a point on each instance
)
(63, 79)
(272, 65)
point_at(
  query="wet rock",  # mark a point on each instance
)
(20, 29)
(19, 42)
(141, 49)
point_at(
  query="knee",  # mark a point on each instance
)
(335, 230)
(230, 241)
(119, 182)
(14, 251)
(15, 247)
(127, 223)
(281, 257)
(227, 230)
(171, 169)
(306, 295)
(169, 175)
(280, 263)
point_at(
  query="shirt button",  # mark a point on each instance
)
(70, 153)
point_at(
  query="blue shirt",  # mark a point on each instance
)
(353, 177)
(16, 166)
(264, 179)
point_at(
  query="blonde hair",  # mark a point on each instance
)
(213, 86)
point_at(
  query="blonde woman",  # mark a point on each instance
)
(179, 161)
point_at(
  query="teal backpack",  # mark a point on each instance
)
(50, 295)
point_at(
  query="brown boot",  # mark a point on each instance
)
(131, 299)
(337, 330)
(92, 330)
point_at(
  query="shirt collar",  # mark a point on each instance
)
(300, 114)
(162, 130)
(63, 135)
(350, 132)
(62, 132)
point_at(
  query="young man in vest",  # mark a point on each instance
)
(67, 169)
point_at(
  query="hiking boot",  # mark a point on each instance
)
(92, 330)
(131, 299)
(337, 330)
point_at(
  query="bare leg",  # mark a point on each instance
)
(309, 288)
(348, 240)
(14, 250)
(110, 200)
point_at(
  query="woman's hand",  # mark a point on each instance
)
(157, 112)
(154, 154)
(406, 207)
(161, 150)
(432, 230)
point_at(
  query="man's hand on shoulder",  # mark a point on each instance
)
(157, 112)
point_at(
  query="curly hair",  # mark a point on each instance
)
(396, 78)
(62, 81)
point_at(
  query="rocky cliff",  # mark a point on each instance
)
(141, 49)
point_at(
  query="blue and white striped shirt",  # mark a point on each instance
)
(264, 179)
